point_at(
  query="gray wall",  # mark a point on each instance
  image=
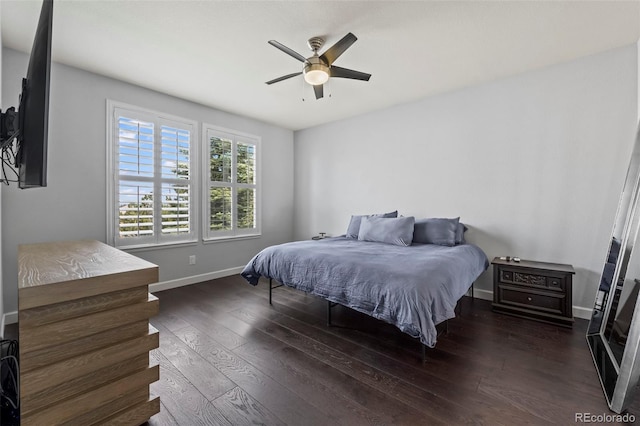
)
(534, 164)
(73, 206)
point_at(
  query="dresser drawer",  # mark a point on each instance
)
(545, 302)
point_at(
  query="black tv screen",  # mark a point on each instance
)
(34, 106)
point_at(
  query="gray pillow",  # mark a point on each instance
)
(398, 231)
(460, 233)
(354, 224)
(438, 231)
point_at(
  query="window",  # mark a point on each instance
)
(232, 188)
(153, 177)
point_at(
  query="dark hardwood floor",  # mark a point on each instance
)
(229, 358)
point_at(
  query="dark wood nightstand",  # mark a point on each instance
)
(536, 290)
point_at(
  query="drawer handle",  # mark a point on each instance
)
(529, 299)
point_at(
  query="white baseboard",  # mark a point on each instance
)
(12, 317)
(9, 318)
(584, 313)
(481, 294)
(194, 279)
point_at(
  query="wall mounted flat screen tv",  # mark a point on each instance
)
(34, 106)
(29, 126)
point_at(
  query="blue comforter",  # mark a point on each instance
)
(413, 287)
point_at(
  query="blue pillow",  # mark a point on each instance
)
(460, 233)
(438, 231)
(354, 224)
(398, 231)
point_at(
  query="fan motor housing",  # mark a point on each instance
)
(315, 43)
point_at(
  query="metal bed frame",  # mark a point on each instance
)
(331, 304)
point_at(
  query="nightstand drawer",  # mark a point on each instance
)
(549, 302)
(509, 276)
(555, 283)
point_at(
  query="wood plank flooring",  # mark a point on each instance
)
(229, 358)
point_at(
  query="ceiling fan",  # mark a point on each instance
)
(318, 68)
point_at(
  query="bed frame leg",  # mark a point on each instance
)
(423, 353)
(328, 313)
(271, 287)
(459, 304)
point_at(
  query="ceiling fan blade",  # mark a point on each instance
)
(347, 73)
(288, 51)
(338, 49)
(284, 77)
(319, 91)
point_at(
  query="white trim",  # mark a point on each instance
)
(161, 246)
(9, 318)
(12, 317)
(231, 238)
(111, 176)
(479, 293)
(194, 279)
(584, 313)
(159, 119)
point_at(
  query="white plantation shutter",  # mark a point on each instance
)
(176, 208)
(135, 143)
(176, 150)
(232, 187)
(175, 177)
(153, 188)
(135, 209)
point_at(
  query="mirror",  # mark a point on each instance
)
(614, 330)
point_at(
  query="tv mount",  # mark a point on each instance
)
(9, 127)
(9, 131)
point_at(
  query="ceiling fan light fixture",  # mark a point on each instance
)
(316, 72)
(315, 77)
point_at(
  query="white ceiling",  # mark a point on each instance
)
(216, 52)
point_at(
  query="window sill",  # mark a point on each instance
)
(160, 246)
(229, 238)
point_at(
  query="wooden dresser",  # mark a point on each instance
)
(536, 290)
(84, 335)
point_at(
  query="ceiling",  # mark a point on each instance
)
(215, 52)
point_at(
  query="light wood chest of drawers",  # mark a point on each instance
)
(84, 335)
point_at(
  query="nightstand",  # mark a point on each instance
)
(535, 290)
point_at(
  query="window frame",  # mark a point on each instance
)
(115, 109)
(236, 137)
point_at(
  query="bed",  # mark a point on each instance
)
(413, 287)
